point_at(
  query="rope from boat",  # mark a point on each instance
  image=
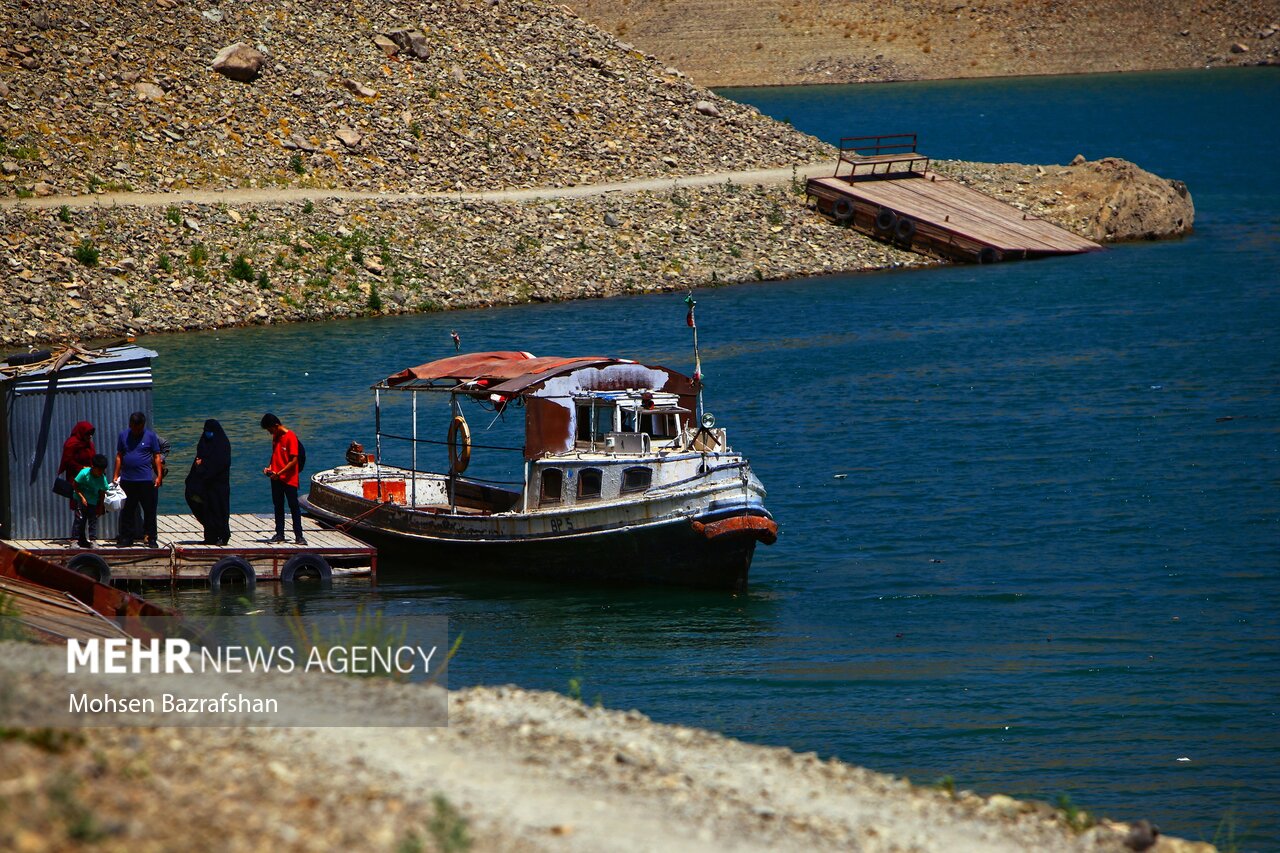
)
(347, 525)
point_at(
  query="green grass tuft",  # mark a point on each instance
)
(87, 253)
(241, 269)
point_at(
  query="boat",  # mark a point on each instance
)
(624, 479)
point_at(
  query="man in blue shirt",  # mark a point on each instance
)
(140, 471)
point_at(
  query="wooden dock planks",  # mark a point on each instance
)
(182, 554)
(951, 219)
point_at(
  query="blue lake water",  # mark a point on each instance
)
(1052, 567)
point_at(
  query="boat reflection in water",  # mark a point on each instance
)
(623, 483)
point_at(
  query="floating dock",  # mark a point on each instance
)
(249, 556)
(890, 193)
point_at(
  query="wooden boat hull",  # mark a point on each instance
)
(669, 552)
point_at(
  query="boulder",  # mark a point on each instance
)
(1238, 47)
(400, 36)
(348, 136)
(240, 62)
(707, 109)
(418, 45)
(149, 91)
(386, 45)
(359, 89)
(1078, 160)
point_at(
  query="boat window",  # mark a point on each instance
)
(658, 425)
(584, 422)
(628, 420)
(604, 421)
(636, 479)
(552, 485)
(589, 481)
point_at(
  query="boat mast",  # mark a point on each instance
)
(413, 465)
(697, 355)
(377, 439)
(456, 411)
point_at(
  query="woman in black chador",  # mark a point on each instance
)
(209, 484)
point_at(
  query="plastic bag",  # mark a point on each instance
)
(114, 498)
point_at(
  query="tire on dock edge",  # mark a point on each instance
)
(91, 566)
(227, 569)
(306, 567)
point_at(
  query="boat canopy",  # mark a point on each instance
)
(513, 374)
(548, 386)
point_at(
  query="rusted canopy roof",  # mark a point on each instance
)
(488, 369)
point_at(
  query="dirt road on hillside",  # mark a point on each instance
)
(768, 177)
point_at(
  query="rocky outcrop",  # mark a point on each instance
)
(1108, 200)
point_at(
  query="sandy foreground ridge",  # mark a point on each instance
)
(366, 159)
(514, 770)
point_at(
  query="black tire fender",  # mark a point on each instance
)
(905, 229)
(226, 570)
(303, 567)
(988, 255)
(91, 566)
(21, 358)
(886, 220)
(842, 210)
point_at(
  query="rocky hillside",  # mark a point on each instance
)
(779, 42)
(103, 271)
(448, 94)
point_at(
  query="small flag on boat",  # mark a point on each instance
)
(688, 300)
(457, 341)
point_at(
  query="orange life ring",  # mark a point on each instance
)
(459, 457)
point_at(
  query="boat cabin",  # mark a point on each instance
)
(595, 427)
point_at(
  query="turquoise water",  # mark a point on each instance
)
(1052, 566)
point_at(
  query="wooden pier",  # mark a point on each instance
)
(248, 557)
(890, 193)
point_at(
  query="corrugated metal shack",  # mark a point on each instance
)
(43, 400)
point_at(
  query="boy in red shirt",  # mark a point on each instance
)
(283, 472)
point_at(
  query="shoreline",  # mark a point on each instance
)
(1263, 63)
(96, 271)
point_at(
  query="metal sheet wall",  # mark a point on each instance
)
(35, 512)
